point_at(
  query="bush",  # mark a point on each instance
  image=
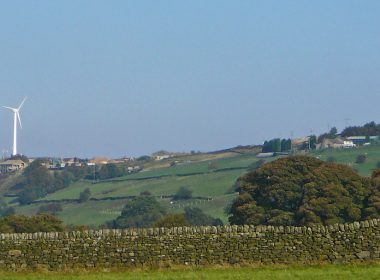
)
(182, 194)
(85, 195)
(360, 159)
(24, 224)
(172, 220)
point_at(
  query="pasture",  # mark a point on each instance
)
(208, 176)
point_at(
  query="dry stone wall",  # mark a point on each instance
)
(339, 243)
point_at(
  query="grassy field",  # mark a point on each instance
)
(348, 156)
(335, 272)
(196, 176)
(194, 172)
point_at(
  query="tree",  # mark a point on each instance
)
(182, 194)
(85, 195)
(313, 142)
(333, 132)
(300, 191)
(286, 145)
(196, 217)
(109, 171)
(142, 211)
(172, 220)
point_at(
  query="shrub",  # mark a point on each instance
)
(182, 194)
(24, 224)
(360, 159)
(85, 195)
(172, 220)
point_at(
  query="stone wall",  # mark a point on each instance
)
(192, 246)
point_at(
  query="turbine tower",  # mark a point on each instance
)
(16, 116)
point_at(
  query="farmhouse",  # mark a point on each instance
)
(335, 143)
(11, 165)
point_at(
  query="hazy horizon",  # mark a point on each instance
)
(128, 78)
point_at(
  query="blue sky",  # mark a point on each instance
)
(122, 78)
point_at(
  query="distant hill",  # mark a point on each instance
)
(210, 176)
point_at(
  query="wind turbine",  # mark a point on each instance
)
(16, 116)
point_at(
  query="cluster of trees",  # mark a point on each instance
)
(37, 181)
(146, 211)
(369, 129)
(109, 171)
(277, 145)
(301, 191)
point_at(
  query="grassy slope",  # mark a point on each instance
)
(344, 272)
(209, 184)
(349, 157)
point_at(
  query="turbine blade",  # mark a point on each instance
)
(22, 103)
(19, 119)
(9, 108)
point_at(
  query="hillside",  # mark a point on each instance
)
(210, 177)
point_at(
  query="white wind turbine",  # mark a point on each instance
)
(16, 112)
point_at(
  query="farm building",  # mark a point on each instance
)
(11, 165)
(336, 143)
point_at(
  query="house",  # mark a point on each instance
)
(12, 165)
(335, 143)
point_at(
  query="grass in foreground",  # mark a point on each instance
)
(279, 272)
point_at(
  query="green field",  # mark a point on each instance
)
(193, 172)
(196, 176)
(348, 156)
(308, 272)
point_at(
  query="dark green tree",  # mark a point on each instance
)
(182, 194)
(85, 195)
(109, 171)
(142, 211)
(300, 190)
